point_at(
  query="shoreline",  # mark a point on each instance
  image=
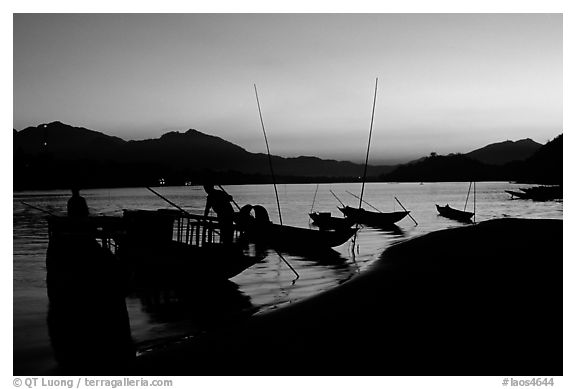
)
(484, 299)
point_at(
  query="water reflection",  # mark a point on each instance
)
(87, 319)
(392, 230)
(326, 257)
(196, 306)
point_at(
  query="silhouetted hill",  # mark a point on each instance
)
(55, 154)
(441, 168)
(66, 142)
(505, 152)
(543, 167)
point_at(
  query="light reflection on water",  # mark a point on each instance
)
(172, 312)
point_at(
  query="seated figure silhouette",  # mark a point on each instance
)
(220, 202)
(77, 207)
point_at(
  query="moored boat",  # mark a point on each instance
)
(539, 193)
(186, 243)
(259, 229)
(325, 221)
(373, 219)
(298, 239)
(520, 195)
(454, 214)
(154, 244)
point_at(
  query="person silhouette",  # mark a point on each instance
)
(77, 207)
(220, 202)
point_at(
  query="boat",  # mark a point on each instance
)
(184, 242)
(298, 238)
(254, 225)
(325, 221)
(538, 193)
(373, 219)
(520, 195)
(154, 244)
(455, 214)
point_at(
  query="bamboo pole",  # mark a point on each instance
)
(269, 156)
(314, 199)
(369, 140)
(38, 208)
(469, 186)
(273, 178)
(405, 210)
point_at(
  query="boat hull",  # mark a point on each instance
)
(455, 214)
(373, 219)
(298, 238)
(176, 260)
(325, 221)
(150, 245)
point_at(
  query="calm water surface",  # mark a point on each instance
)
(172, 313)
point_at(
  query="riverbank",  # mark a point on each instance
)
(478, 300)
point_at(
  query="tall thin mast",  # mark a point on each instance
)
(269, 157)
(368, 149)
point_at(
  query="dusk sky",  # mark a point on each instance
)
(447, 82)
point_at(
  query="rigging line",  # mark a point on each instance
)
(38, 209)
(369, 140)
(269, 157)
(340, 201)
(365, 202)
(231, 198)
(168, 201)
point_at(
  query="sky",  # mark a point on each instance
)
(446, 82)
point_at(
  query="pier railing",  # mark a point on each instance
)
(197, 230)
(141, 227)
(160, 226)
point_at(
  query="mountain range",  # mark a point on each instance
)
(505, 161)
(54, 155)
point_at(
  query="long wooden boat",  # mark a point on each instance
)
(154, 244)
(183, 242)
(298, 238)
(543, 192)
(454, 214)
(325, 221)
(374, 219)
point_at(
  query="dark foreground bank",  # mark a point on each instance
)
(477, 300)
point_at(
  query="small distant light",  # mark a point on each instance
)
(161, 181)
(45, 143)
